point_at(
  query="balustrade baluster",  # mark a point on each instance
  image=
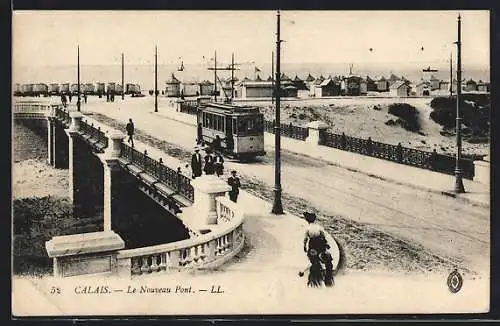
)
(145, 265)
(154, 263)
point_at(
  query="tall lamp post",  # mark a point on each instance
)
(78, 103)
(123, 79)
(459, 186)
(277, 206)
(156, 78)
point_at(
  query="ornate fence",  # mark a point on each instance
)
(101, 141)
(397, 153)
(288, 130)
(173, 179)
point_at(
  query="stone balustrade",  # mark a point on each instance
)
(207, 250)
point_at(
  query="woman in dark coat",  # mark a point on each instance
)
(316, 246)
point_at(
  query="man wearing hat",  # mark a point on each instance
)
(234, 182)
(196, 162)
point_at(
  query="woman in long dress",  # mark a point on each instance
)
(316, 246)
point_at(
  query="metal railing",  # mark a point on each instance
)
(189, 106)
(94, 133)
(173, 179)
(397, 153)
(288, 130)
(62, 115)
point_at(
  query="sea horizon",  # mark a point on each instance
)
(143, 74)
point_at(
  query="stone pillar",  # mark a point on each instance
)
(177, 105)
(206, 189)
(112, 180)
(50, 140)
(315, 130)
(482, 170)
(84, 253)
(73, 132)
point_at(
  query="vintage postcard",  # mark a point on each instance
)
(250, 162)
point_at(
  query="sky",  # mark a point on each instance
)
(50, 38)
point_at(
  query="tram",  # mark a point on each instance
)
(241, 129)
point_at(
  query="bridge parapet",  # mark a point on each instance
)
(212, 249)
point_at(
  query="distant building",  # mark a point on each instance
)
(173, 87)
(393, 79)
(299, 83)
(434, 83)
(262, 89)
(382, 84)
(444, 85)
(371, 85)
(327, 87)
(190, 88)
(482, 86)
(423, 88)
(363, 86)
(317, 81)
(253, 89)
(309, 81)
(399, 89)
(206, 88)
(470, 85)
(352, 85)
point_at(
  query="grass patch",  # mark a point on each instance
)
(408, 116)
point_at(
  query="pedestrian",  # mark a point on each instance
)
(85, 97)
(316, 246)
(199, 134)
(107, 96)
(217, 144)
(234, 182)
(130, 132)
(229, 143)
(219, 164)
(69, 96)
(209, 163)
(196, 163)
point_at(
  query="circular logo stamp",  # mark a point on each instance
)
(455, 281)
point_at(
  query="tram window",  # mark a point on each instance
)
(250, 124)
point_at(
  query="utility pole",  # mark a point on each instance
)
(451, 75)
(156, 78)
(215, 76)
(232, 77)
(277, 206)
(459, 186)
(78, 103)
(272, 76)
(123, 79)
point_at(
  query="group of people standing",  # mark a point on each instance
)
(64, 100)
(213, 164)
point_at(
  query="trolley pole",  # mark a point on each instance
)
(277, 206)
(459, 186)
(78, 103)
(156, 78)
(232, 77)
(215, 76)
(123, 79)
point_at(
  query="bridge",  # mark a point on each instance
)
(267, 261)
(215, 224)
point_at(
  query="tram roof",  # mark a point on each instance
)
(229, 109)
